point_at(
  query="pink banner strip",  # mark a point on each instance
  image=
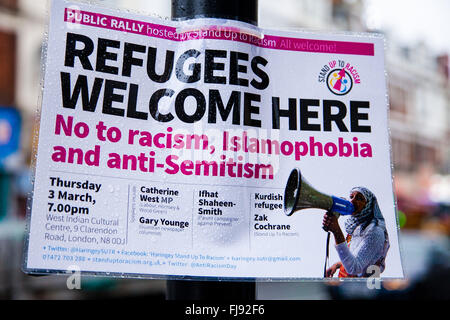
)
(169, 33)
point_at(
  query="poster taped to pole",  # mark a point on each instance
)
(210, 149)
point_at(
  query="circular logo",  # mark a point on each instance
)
(339, 82)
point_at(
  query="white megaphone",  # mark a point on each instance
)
(299, 195)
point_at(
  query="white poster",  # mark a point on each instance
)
(165, 149)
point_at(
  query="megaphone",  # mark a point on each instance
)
(299, 195)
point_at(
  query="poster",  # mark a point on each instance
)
(165, 147)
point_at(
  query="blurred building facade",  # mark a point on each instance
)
(419, 96)
(21, 31)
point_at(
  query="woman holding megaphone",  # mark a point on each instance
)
(367, 241)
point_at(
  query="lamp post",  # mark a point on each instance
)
(240, 10)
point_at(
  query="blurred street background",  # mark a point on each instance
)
(417, 63)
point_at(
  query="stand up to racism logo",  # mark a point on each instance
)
(339, 76)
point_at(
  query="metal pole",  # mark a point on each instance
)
(240, 10)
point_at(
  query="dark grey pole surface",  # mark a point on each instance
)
(241, 10)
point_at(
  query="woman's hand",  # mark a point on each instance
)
(330, 223)
(332, 270)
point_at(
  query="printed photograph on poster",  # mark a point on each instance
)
(365, 227)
